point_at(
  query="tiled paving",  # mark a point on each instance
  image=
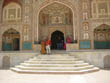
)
(7, 76)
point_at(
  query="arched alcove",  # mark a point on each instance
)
(11, 40)
(102, 37)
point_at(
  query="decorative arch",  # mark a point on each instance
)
(102, 37)
(11, 27)
(11, 30)
(11, 40)
(47, 3)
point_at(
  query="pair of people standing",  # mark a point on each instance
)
(45, 47)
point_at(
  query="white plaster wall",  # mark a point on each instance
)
(94, 57)
(1, 61)
(70, 47)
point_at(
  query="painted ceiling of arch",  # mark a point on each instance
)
(56, 14)
(56, 8)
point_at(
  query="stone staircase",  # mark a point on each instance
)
(54, 64)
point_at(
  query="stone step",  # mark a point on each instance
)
(71, 59)
(54, 65)
(53, 56)
(55, 68)
(49, 58)
(54, 62)
(54, 72)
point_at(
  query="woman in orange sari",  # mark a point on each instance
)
(43, 47)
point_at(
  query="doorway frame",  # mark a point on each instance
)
(53, 29)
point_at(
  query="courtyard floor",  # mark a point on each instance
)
(7, 76)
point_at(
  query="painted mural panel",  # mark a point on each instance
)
(27, 46)
(85, 44)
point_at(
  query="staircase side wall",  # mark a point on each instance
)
(14, 58)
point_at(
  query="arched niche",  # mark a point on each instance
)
(102, 37)
(11, 12)
(11, 40)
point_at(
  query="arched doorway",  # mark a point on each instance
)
(11, 40)
(57, 39)
(102, 37)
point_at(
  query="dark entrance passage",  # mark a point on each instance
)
(57, 39)
(16, 44)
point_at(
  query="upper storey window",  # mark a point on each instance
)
(12, 12)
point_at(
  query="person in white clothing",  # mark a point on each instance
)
(48, 44)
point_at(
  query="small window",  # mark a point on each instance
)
(85, 16)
